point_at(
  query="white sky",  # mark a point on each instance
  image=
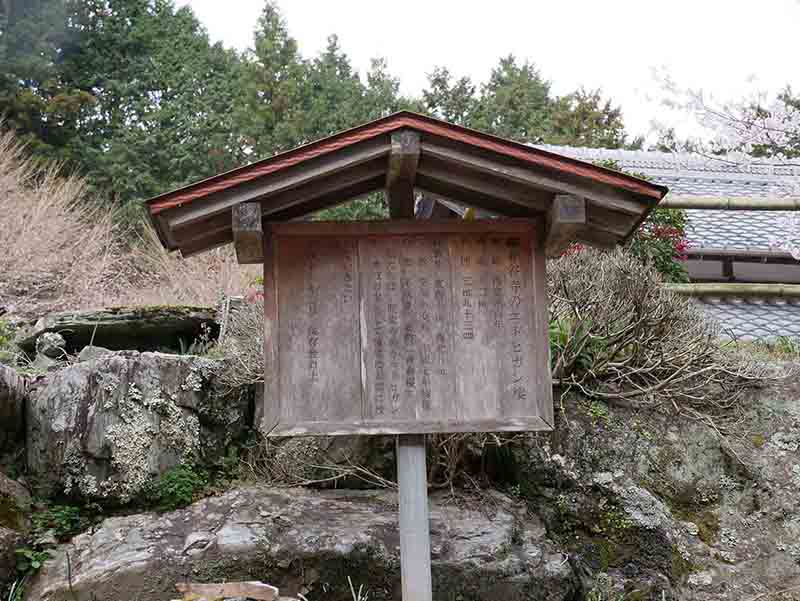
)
(726, 47)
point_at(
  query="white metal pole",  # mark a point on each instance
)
(415, 538)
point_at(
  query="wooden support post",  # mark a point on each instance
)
(248, 238)
(415, 538)
(566, 219)
(402, 172)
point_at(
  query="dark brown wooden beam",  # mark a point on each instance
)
(458, 194)
(402, 172)
(311, 171)
(204, 243)
(486, 185)
(335, 186)
(566, 220)
(330, 199)
(482, 163)
(248, 238)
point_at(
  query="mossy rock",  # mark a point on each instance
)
(126, 328)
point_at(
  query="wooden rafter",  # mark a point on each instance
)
(527, 177)
(248, 237)
(566, 220)
(402, 172)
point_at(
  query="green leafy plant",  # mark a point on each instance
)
(30, 560)
(7, 351)
(63, 520)
(177, 487)
(598, 411)
(787, 345)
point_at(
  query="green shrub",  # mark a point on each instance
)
(63, 520)
(177, 487)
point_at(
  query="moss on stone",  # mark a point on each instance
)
(681, 567)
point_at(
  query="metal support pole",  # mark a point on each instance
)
(415, 538)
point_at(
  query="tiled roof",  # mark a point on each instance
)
(754, 319)
(696, 175)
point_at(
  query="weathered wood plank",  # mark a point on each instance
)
(485, 184)
(401, 173)
(251, 590)
(319, 342)
(463, 196)
(540, 371)
(410, 326)
(324, 166)
(615, 200)
(493, 292)
(335, 185)
(401, 227)
(567, 218)
(272, 369)
(533, 423)
(248, 238)
(406, 328)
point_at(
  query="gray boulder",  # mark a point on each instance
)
(15, 511)
(12, 410)
(52, 345)
(104, 429)
(662, 506)
(124, 328)
(15, 505)
(305, 541)
(90, 353)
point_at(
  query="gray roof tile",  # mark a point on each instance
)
(696, 175)
(754, 319)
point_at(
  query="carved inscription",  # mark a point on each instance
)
(318, 328)
(407, 328)
(491, 277)
(409, 332)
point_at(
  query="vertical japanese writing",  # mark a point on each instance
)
(497, 280)
(348, 284)
(409, 335)
(379, 334)
(393, 321)
(424, 314)
(312, 306)
(466, 300)
(519, 388)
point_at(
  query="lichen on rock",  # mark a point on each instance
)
(104, 429)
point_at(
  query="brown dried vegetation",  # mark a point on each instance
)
(62, 250)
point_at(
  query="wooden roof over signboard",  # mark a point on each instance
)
(403, 153)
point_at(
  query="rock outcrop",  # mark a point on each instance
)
(137, 328)
(12, 410)
(307, 541)
(15, 511)
(9, 541)
(650, 505)
(102, 429)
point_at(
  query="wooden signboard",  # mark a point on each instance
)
(405, 327)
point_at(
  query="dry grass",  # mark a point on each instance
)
(58, 251)
(62, 251)
(158, 277)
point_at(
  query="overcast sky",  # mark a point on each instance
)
(726, 47)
